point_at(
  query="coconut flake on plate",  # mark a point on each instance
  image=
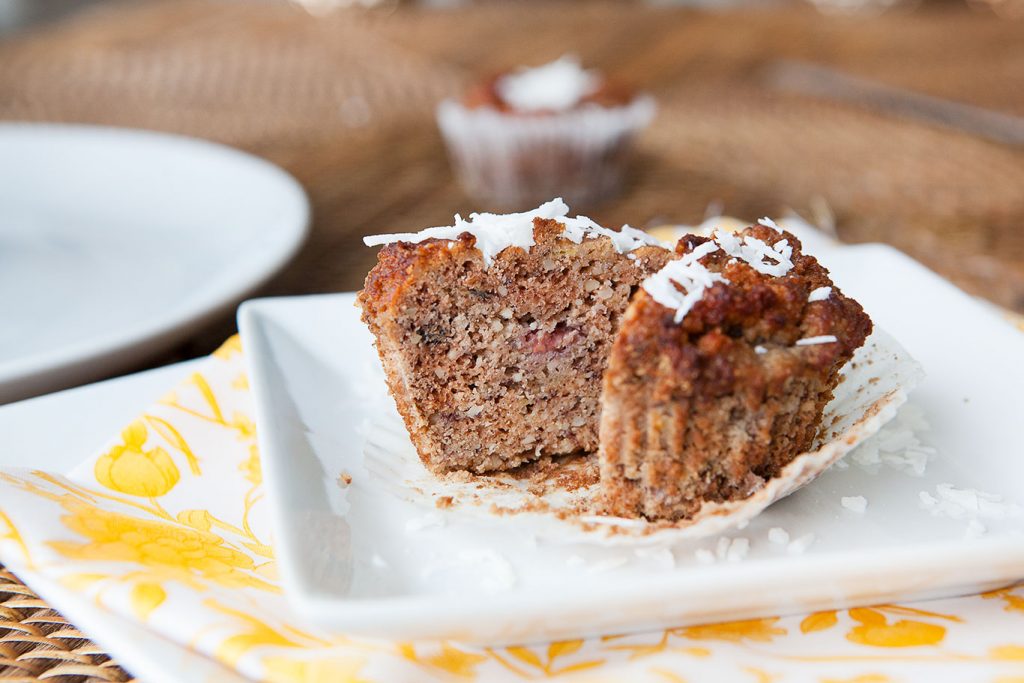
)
(858, 504)
(607, 564)
(799, 546)
(738, 549)
(490, 568)
(898, 444)
(574, 561)
(975, 529)
(967, 503)
(659, 556)
(427, 521)
(500, 576)
(704, 556)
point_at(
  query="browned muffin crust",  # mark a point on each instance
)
(492, 367)
(485, 94)
(692, 412)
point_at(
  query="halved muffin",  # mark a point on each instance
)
(526, 134)
(494, 333)
(720, 372)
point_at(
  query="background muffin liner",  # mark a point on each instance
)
(514, 161)
(876, 383)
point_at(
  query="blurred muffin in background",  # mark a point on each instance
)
(530, 134)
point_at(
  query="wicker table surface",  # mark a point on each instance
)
(345, 101)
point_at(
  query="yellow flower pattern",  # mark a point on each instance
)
(875, 629)
(131, 468)
(169, 551)
(760, 630)
(167, 526)
(328, 670)
(251, 468)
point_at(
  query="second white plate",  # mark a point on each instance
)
(113, 242)
(362, 560)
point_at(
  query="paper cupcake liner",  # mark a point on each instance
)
(513, 161)
(877, 382)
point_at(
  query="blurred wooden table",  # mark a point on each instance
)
(344, 102)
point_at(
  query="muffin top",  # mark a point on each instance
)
(741, 304)
(558, 86)
(484, 239)
(493, 233)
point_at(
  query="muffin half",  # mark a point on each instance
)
(494, 333)
(719, 373)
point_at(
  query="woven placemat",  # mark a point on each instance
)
(243, 75)
(36, 643)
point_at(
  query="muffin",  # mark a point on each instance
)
(523, 136)
(494, 332)
(720, 372)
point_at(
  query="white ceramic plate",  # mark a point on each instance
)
(113, 243)
(360, 559)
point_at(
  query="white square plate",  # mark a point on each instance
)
(359, 559)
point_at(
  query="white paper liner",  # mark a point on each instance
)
(515, 161)
(877, 382)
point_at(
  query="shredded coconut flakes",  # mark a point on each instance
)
(498, 574)
(975, 529)
(897, 444)
(496, 232)
(772, 260)
(662, 557)
(680, 284)
(607, 564)
(417, 524)
(704, 556)
(819, 294)
(800, 545)
(625, 240)
(738, 549)
(858, 504)
(969, 504)
(822, 339)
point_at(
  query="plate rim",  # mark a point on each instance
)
(27, 375)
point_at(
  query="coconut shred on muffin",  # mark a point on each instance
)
(528, 134)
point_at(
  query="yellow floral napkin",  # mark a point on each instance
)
(167, 526)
